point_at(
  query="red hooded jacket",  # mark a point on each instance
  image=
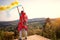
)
(23, 19)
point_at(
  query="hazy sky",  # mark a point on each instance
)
(41, 8)
(33, 9)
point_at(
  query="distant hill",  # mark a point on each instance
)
(41, 20)
(36, 19)
(8, 23)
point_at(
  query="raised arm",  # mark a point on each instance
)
(18, 9)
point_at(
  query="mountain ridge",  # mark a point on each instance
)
(15, 22)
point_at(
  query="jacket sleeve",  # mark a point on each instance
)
(25, 18)
(21, 18)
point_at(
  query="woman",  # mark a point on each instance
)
(22, 25)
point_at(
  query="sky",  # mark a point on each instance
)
(41, 8)
(33, 9)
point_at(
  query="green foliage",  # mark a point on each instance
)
(6, 35)
(1, 35)
(50, 30)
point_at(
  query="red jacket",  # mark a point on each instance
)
(23, 19)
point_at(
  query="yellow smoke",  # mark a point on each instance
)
(13, 4)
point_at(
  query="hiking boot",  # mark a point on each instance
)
(25, 38)
(20, 39)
